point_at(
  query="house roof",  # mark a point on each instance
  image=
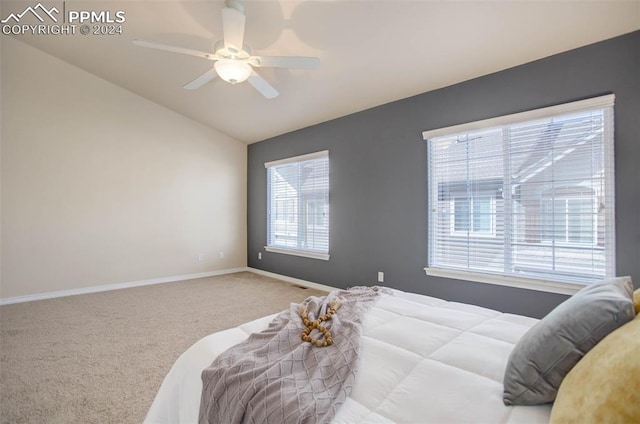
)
(535, 148)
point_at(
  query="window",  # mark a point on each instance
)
(569, 218)
(525, 199)
(475, 215)
(298, 205)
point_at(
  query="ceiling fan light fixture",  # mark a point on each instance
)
(232, 71)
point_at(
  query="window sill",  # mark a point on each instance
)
(302, 253)
(509, 281)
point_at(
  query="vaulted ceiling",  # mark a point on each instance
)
(373, 52)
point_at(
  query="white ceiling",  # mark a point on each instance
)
(372, 52)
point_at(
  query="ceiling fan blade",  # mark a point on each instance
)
(286, 62)
(201, 80)
(174, 49)
(262, 85)
(233, 21)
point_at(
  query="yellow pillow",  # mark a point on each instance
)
(636, 300)
(604, 386)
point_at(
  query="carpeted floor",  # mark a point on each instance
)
(100, 358)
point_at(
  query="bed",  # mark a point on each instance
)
(422, 360)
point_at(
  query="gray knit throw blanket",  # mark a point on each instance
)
(275, 377)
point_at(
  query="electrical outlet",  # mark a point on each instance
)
(260, 255)
(200, 257)
(380, 277)
(221, 255)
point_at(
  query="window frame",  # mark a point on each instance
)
(542, 283)
(303, 210)
(471, 230)
(567, 232)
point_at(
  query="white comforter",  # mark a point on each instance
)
(423, 360)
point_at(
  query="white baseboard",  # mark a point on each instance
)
(161, 280)
(116, 286)
(297, 281)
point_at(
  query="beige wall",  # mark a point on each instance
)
(101, 186)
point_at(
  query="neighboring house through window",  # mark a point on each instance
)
(475, 215)
(569, 216)
(526, 199)
(298, 205)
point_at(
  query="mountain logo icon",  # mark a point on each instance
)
(38, 11)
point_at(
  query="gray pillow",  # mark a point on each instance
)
(548, 351)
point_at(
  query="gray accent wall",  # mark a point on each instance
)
(378, 172)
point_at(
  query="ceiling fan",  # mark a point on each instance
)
(234, 62)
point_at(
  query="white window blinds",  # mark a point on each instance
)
(298, 205)
(527, 195)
